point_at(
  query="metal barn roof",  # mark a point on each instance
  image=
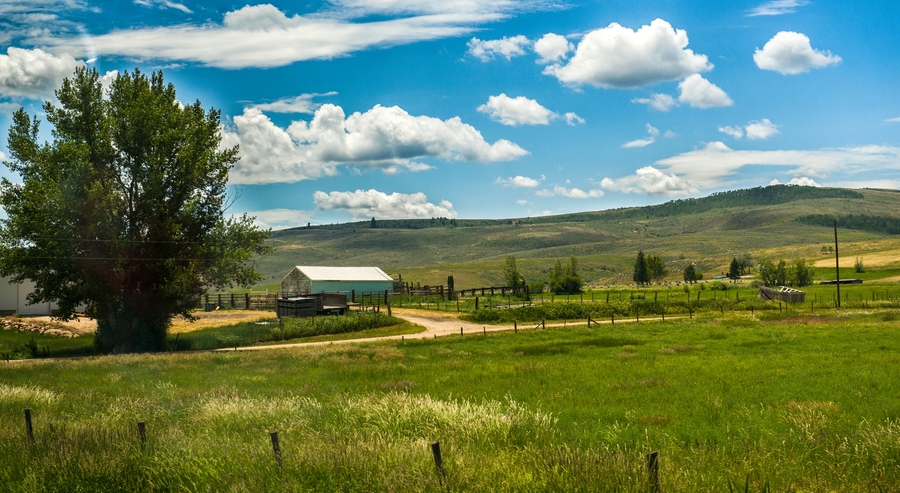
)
(321, 273)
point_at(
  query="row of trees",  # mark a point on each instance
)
(797, 273)
(564, 278)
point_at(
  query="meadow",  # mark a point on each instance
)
(774, 401)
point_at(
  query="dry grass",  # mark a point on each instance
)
(204, 320)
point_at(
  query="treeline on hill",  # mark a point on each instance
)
(862, 222)
(758, 196)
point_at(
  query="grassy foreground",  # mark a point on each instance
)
(771, 402)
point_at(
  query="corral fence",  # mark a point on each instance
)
(237, 301)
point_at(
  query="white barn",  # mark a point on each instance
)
(305, 279)
(13, 299)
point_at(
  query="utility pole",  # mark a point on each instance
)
(837, 266)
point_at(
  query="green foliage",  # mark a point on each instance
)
(798, 273)
(734, 269)
(511, 273)
(862, 222)
(641, 271)
(124, 210)
(858, 266)
(656, 267)
(690, 274)
(565, 279)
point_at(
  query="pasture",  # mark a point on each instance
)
(773, 401)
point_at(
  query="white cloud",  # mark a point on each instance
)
(777, 7)
(552, 48)
(363, 204)
(281, 218)
(297, 104)
(616, 56)
(804, 181)
(790, 53)
(34, 73)
(658, 102)
(516, 111)
(651, 181)
(523, 203)
(668, 134)
(713, 165)
(263, 36)
(519, 182)
(736, 132)
(756, 130)
(486, 50)
(572, 193)
(386, 138)
(573, 119)
(761, 129)
(701, 93)
(164, 4)
(893, 120)
(652, 131)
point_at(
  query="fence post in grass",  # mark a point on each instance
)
(613, 320)
(142, 433)
(275, 447)
(484, 329)
(637, 315)
(28, 428)
(542, 325)
(653, 470)
(460, 332)
(515, 327)
(589, 321)
(438, 460)
(607, 297)
(476, 302)
(246, 301)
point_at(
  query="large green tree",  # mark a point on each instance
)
(656, 267)
(511, 274)
(124, 210)
(565, 279)
(641, 272)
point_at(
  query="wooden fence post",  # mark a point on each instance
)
(246, 301)
(515, 327)
(275, 447)
(28, 428)
(438, 460)
(653, 470)
(142, 433)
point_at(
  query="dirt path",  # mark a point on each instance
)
(436, 324)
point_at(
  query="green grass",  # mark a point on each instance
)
(14, 344)
(798, 402)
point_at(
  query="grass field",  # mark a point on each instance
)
(770, 402)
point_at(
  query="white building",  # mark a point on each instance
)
(13, 299)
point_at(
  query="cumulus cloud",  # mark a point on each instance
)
(756, 130)
(281, 218)
(651, 181)
(777, 7)
(653, 134)
(34, 73)
(486, 50)
(619, 57)
(736, 132)
(552, 48)
(164, 4)
(263, 36)
(363, 204)
(572, 193)
(790, 53)
(298, 104)
(519, 182)
(802, 181)
(701, 93)
(516, 111)
(386, 138)
(573, 119)
(658, 102)
(761, 129)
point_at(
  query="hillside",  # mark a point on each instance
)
(776, 220)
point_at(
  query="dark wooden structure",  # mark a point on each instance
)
(312, 305)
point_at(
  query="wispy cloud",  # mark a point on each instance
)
(777, 7)
(520, 181)
(653, 134)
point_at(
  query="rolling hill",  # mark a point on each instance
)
(774, 221)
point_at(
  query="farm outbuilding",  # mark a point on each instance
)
(784, 293)
(306, 280)
(13, 299)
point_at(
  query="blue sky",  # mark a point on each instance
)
(352, 109)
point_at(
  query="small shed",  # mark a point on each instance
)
(784, 293)
(305, 280)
